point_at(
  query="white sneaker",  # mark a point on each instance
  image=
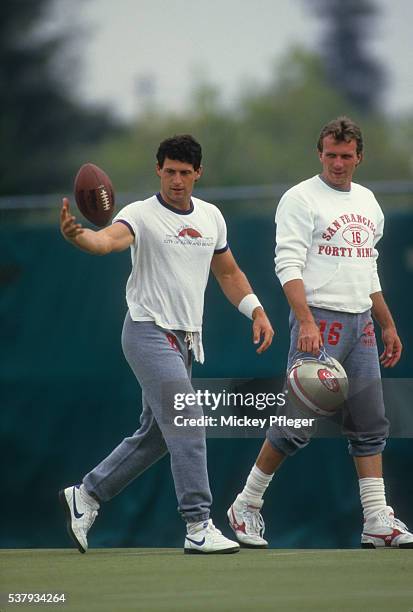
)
(385, 530)
(207, 539)
(247, 523)
(80, 514)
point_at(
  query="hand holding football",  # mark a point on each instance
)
(94, 194)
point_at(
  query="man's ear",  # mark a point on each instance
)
(199, 173)
(158, 170)
(360, 159)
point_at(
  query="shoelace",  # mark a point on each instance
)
(397, 523)
(90, 517)
(211, 527)
(394, 522)
(254, 521)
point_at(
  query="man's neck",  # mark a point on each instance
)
(182, 206)
(342, 189)
(180, 209)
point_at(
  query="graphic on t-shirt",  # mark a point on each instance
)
(188, 235)
(355, 234)
(346, 220)
(190, 232)
(355, 230)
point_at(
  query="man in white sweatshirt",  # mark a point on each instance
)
(327, 231)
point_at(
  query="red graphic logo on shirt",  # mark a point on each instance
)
(328, 380)
(173, 341)
(187, 236)
(368, 336)
(356, 235)
(189, 232)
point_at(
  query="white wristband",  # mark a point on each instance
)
(248, 304)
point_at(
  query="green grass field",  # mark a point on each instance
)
(119, 580)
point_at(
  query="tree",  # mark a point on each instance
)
(349, 67)
(269, 137)
(41, 124)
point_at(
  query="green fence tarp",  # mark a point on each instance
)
(68, 397)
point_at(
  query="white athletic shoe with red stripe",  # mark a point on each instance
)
(247, 523)
(386, 531)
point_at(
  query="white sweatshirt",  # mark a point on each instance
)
(327, 238)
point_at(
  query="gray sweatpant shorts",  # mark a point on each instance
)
(161, 362)
(350, 339)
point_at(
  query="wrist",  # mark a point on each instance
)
(302, 312)
(390, 326)
(307, 318)
(258, 312)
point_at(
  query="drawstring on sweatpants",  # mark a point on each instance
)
(194, 342)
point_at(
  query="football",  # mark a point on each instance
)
(94, 194)
(318, 387)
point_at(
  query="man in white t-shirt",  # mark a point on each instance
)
(175, 239)
(327, 231)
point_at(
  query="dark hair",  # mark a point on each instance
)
(183, 148)
(342, 129)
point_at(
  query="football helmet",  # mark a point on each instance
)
(317, 384)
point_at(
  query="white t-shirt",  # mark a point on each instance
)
(171, 258)
(327, 238)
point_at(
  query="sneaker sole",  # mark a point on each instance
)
(225, 551)
(68, 514)
(370, 545)
(259, 546)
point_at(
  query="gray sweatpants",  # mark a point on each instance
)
(161, 362)
(350, 339)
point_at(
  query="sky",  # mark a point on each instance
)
(133, 53)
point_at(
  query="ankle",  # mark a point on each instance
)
(197, 526)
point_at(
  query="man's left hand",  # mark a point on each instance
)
(261, 327)
(392, 347)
